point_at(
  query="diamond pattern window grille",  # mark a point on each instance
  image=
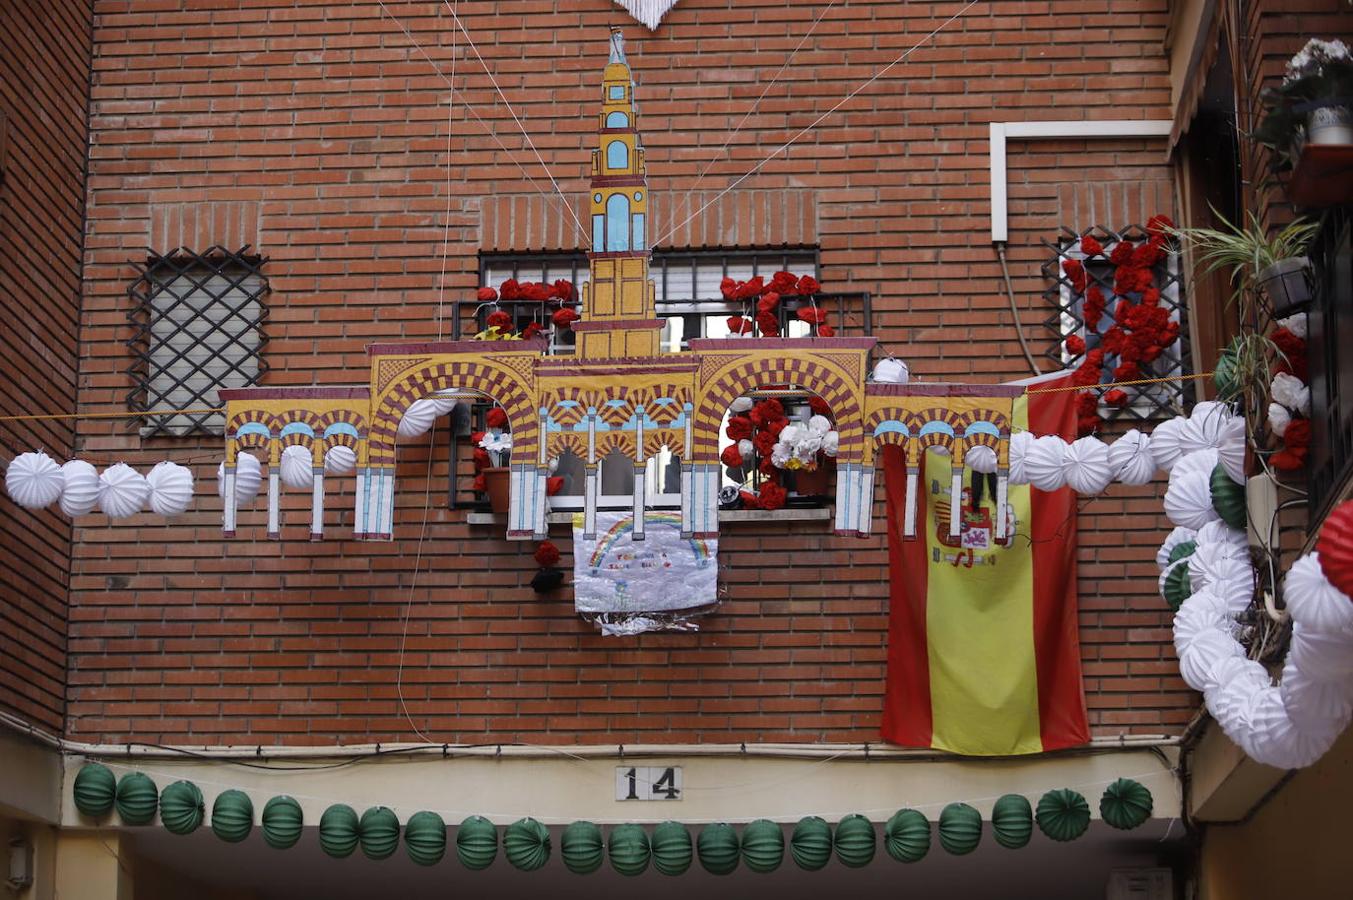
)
(1145, 402)
(197, 323)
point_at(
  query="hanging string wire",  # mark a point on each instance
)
(748, 114)
(807, 128)
(484, 126)
(530, 143)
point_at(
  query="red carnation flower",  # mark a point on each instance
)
(1288, 460)
(814, 315)
(773, 496)
(510, 290)
(1126, 372)
(1086, 375)
(728, 287)
(819, 406)
(476, 437)
(783, 283)
(547, 554)
(1151, 353)
(565, 317)
(1287, 342)
(487, 295)
(767, 469)
(807, 286)
(739, 325)
(770, 409)
(481, 458)
(1298, 434)
(1151, 296)
(1086, 404)
(1095, 357)
(1090, 246)
(1122, 253)
(774, 428)
(749, 289)
(768, 323)
(553, 485)
(731, 456)
(1094, 307)
(500, 320)
(1159, 225)
(564, 290)
(531, 330)
(1116, 397)
(749, 500)
(764, 442)
(479, 484)
(1075, 345)
(496, 418)
(826, 331)
(768, 302)
(1087, 425)
(739, 428)
(1075, 271)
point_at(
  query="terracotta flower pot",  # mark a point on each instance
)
(498, 487)
(812, 482)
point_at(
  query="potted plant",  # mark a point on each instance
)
(1311, 106)
(1274, 267)
(494, 450)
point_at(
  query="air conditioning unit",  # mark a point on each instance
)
(1140, 884)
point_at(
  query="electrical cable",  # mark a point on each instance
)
(1014, 308)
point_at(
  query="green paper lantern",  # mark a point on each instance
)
(1178, 587)
(1063, 814)
(906, 837)
(182, 808)
(717, 847)
(232, 816)
(1181, 550)
(526, 844)
(1125, 804)
(763, 846)
(855, 841)
(811, 843)
(95, 789)
(425, 838)
(1012, 821)
(1225, 374)
(960, 828)
(1228, 499)
(282, 822)
(339, 830)
(136, 799)
(629, 849)
(476, 843)
(671, 848)
(378, 832)
(581, 846)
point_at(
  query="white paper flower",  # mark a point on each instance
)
(1278, 419)
(831, 442)
(1176, 537)
(1086, 464)
(418, 419)
(496, 441)
(1165, 442)
(1290, 392)
(980, 459)
(80, 492)
(792, 434)
(891, 371)
(1315, 603)
(1020, 442)
(297, 467)
(340, 459)
(1130, 459)
(1046, 463)
(819, 425)
(1188, 501)
(747, 450)
(123, 491)
(740, 405)
(1295, 323)
(34, 480)
(171, 488)
(779, 456)
(248, 478)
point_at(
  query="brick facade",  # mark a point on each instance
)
(317, 133)
(44, 104)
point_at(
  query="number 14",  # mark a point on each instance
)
(648, 783)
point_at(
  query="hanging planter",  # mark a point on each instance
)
(1284, 283)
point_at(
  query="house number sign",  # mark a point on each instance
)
(648, 782)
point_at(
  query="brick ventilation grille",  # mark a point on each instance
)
(1145, 402)
(197, 322)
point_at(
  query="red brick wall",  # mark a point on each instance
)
(323, 116)
(44, 96)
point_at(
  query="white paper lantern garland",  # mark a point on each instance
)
(35, 481)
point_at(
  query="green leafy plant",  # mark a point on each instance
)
(1244, 253)
(1320, 75)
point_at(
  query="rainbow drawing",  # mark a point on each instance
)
(699, 547)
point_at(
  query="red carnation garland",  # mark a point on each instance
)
(555, 299)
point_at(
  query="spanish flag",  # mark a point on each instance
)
(983, 646)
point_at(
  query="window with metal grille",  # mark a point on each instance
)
(1145, 401)
(198, 320)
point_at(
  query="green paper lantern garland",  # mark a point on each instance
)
(526, 844)
(855, 841)
(282, 822)
(1012, 821)
(378, 832)
(425, 838)
(906, 837)
(960, 828)
(1181, 550)
(339, 829)
(136, 799)
(1228, 499)
(1063, 814)
(763, 846)
(672, 849)
(95, 790)
(232, 816)
(182, 808)
(717, 848)
(629, 849)
(581, 846)
(811, 843)
(476, 843)
(1125, 804)
(1177, 587)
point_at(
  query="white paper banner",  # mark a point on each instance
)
(663, 573)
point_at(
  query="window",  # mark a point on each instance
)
(617, 222)
(617, 92)
(617, 120)
(198, 322)
(617, 155)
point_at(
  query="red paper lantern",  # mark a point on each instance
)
(1336, 547)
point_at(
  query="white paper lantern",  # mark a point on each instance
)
(248, 478)
(1236, 680)
(1316, 707)
(1231, 449)
(1219, 532)
(171, 488)
(1208, 648)
(1086, 465)
(1131, 460)
(443, 405)
(1322, 656)
(1278, 419)
(1215, 562)
(298, 467)
(1176, 537)
(981, 459)
(1199, 613)
(1204, 460)
(1165, 442)
(34, 480)
(1274, 739)
(340, 459)
(1204, 428)
(1045, 463)
(891, 371)
(80, 489)
(123, 491)
(1188, 501)
(418, 419)
(1020, 442)
(1318, 605)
